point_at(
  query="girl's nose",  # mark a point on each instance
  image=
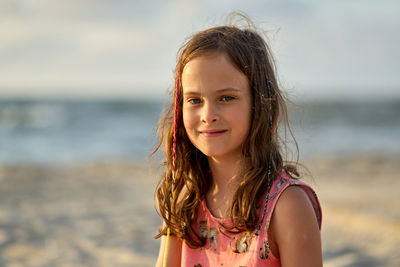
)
(209, 114)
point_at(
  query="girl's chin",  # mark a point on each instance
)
(212, 155)
(220, 155)
(219, 151)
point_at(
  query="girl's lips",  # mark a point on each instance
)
(213, 133)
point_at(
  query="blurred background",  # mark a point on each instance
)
(82, 84)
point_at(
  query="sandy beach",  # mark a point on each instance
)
(361, 216)
(102, 214)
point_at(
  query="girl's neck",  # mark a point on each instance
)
(225, 171)
(226, 179)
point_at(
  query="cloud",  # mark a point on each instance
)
(133, 44)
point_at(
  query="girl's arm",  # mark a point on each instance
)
(295, 229)
(174, 252)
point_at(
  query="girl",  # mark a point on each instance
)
(228, 198)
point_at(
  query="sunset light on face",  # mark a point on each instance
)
(216, 105)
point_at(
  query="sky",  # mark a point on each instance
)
(120, 48)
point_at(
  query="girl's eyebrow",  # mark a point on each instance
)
(223, 90)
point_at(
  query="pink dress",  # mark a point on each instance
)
(244, 249)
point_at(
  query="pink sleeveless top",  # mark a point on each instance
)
(244, 249)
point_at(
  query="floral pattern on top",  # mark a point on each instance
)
(251, 249)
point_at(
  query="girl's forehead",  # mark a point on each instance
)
(208, 58)
(212, 71)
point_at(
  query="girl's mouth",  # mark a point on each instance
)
(212, 133)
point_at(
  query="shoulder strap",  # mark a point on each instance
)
(277, 189)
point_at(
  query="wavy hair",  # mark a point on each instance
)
(178, 194)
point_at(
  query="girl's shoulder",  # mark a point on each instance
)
(294, 209)
(291, 192)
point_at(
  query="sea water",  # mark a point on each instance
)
(65, 131)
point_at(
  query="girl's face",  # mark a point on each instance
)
(216, 105)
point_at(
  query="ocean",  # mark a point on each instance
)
(70, 131)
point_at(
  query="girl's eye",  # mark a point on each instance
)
(227, 98)
(194, 101)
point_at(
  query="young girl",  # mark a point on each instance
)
(228, 198)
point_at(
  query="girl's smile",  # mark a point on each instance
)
(212, 133)
(216, 105)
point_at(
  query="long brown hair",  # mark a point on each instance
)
(178, 196)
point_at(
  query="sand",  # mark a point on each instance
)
(91, 215)
(361, 216)
(102, 214)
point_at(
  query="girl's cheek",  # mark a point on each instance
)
(189, 117)
(186, 120)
